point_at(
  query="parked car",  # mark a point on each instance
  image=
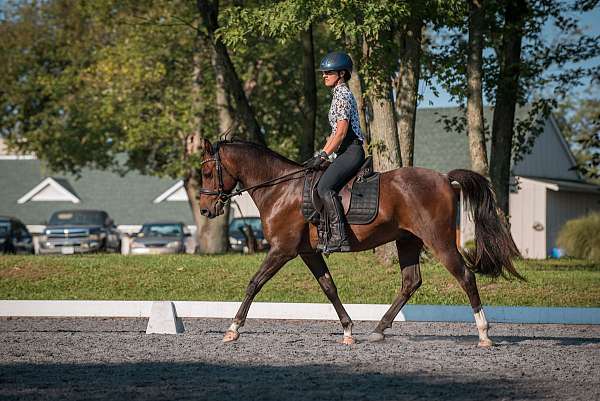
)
(14, 236)
(80, 231)
(160, 238)
(238, 233)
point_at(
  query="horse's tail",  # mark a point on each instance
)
(494, 246)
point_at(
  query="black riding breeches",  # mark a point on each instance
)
(343, 168)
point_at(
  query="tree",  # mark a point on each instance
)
(506, 99)
(407, 88)
(475, 122)
(307, 141)
(514, 34)
(209, 11)
(579, 121)
(119, 80)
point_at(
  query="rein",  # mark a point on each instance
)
(224, 197)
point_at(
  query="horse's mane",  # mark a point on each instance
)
(255, 146)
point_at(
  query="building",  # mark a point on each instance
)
(547, 191)
(31, 193)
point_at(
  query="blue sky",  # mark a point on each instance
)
(590, 24)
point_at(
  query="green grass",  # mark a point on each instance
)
(359, 278)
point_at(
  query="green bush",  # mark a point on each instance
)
(580, 237)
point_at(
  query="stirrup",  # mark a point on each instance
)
(344, 247)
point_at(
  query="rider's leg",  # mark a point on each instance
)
(334, 178)
(338, 240)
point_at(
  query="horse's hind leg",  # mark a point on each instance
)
(454, 262)
(318, 267)
(409, 251)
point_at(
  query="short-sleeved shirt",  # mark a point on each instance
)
(343, 107)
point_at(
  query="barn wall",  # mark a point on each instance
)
(549, 158)
(528, 209)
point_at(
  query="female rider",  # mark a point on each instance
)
(345, 144)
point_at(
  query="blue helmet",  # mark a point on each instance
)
(336, 61)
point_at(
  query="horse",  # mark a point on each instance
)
(417, 208)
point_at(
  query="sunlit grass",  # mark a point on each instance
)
(359, 278)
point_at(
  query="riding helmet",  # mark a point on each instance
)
(336, 61)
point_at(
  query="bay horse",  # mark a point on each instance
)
(417, 207)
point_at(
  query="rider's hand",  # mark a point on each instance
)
(318, 160)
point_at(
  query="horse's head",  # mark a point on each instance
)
(215, 181)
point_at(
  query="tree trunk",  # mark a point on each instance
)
(215, 238)
(384, 140)
(211, 235)
(407, 90)
(191, 181)
(209, 10)
(386, 150)
(355, 85)
(475, 126)
(506, 101)
(191, 184)
(307, 141)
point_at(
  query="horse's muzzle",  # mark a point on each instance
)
(211, 214)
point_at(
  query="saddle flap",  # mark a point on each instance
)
(359, 197)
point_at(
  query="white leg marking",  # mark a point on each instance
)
(348, 339)
(234, 327)
(482, 327)
(348, 331)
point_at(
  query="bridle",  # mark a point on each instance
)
(222, 196)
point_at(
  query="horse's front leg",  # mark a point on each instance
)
(318, 267)
(273, 262)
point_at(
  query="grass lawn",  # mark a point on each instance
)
(359, 278)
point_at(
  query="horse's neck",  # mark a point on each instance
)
(254, 166)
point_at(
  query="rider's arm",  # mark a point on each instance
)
(335, 140)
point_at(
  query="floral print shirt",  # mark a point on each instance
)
(343, 107)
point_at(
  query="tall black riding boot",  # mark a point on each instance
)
(338, 240)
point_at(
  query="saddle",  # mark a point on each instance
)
(360, 196)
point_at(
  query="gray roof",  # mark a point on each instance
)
(436, 148)
(128, 199)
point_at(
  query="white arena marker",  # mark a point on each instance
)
(163, 319)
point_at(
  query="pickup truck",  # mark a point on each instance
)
(80, 231)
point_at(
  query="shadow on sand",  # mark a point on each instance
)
(181, 381)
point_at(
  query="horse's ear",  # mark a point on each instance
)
(207, 147)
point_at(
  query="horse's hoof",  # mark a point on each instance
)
(230, 336)
(485, 343)
(376, 337)
(347, 340)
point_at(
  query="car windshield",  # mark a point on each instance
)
(4, 228)
(161, 230)
(236, 224)
(78, 218)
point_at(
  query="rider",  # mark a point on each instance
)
(344, 146)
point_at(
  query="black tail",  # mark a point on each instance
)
(494, 246)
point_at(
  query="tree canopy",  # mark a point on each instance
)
(122, 84)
